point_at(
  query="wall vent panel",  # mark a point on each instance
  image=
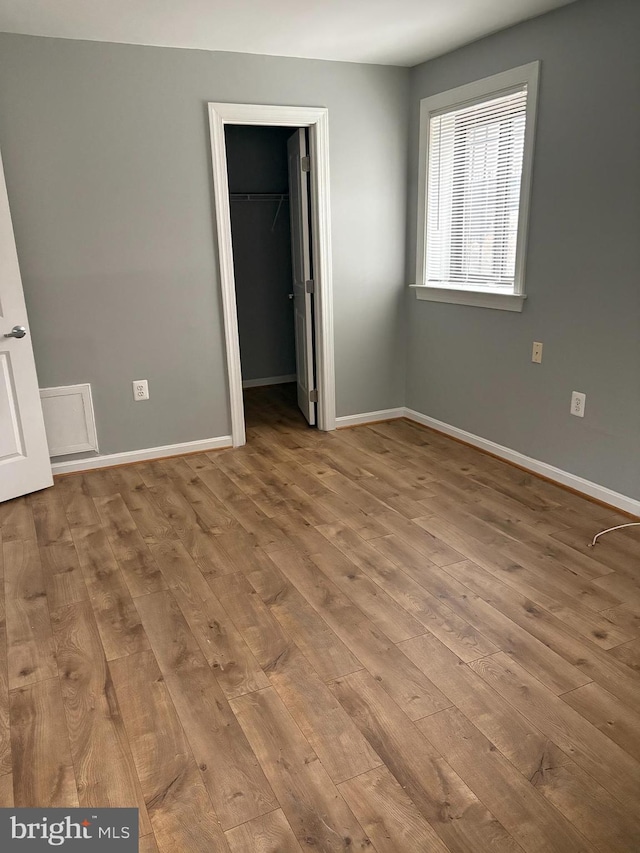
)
(69, 419)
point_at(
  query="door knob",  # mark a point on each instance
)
(16, 332)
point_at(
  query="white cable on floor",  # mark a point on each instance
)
(609, 529)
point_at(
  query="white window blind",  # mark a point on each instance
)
(475, 160)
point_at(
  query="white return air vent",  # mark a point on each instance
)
(68, 419)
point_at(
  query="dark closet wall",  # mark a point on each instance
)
(257, 162)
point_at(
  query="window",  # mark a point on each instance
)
(476, 146)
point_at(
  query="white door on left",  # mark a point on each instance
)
(24, 455)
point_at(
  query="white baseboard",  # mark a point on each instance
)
(572, 481)
(565, 478)
(109, 459)
(370, 417)
(269, 380)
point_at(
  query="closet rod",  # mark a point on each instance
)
(259, 196)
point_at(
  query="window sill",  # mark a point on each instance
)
(476, 298)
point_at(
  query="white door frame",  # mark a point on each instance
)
(317, 120)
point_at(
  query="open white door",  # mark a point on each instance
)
(24, 455)
(301, 261)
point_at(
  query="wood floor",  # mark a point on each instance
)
(376, 639)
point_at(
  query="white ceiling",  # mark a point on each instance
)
(390, 32)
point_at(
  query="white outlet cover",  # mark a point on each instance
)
(140, 390)
(578, 403)
(536, 353)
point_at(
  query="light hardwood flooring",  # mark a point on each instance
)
(376, 639)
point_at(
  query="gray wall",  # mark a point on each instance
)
(471, 367)
(257, 162)
(108, 169)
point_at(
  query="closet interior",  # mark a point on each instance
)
(260, 227)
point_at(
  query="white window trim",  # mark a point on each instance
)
(470, 92)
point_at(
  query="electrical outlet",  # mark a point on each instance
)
(536, 354)
(578, 402)
(140, 389)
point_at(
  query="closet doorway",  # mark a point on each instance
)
(270, 169)
(268, 175)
